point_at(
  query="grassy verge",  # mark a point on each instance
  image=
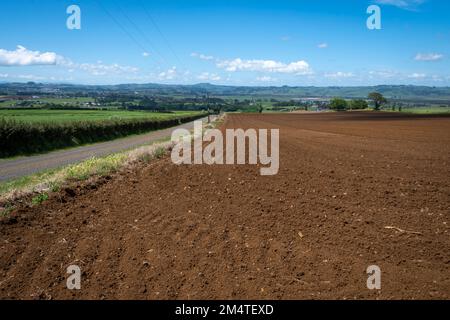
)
(427, 110)
(39, 185)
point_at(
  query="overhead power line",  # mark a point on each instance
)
(155, 49)
(160, 32)
(122, 27)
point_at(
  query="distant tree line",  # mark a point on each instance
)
(290, 103)
(165, 104)
(339, 104)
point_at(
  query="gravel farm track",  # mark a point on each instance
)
(162, 231)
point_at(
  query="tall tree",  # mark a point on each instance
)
(260, 108)
(377, 99)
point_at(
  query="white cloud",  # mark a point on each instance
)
(100, 69)
(33, 77)
(394, 76)
(339, 74)
(24, 57)
(145, 54)
(384, 73)
(300, 67)
(428, 57)
(285, 38)
(206, 76)
(266, 79)
(201, 56)
(170, 74)
(436, 78)
(97, 69)
(322, 45)
(417, 76)
(30, 77)
(403, 4)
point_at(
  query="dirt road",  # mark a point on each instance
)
(22, 166)
(353, 190)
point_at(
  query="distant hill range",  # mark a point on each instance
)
(396, 92)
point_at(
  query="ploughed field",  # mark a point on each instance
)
(353, 190)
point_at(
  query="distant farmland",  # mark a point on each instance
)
(427, 110)
(64, 116)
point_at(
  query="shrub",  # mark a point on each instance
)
(338, 104)
(39, 198)
(160, 152)
(358, 104)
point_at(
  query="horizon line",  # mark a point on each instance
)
(220, 85)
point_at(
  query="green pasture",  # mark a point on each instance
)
(64, 116)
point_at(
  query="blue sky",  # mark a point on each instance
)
(231, 42)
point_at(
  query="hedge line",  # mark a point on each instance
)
(19, 138)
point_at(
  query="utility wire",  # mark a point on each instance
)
(160, 32)
(122, 27)
(141, 32)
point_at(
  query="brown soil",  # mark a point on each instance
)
(223, 232)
